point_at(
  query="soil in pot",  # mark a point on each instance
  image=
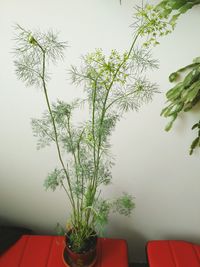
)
(87, 255)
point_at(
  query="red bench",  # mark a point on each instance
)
(173, 253)
(47, 251)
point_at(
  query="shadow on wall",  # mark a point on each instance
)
(136, 241)
(4, 221)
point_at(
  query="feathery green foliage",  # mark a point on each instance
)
(152, 24)
(113, 85)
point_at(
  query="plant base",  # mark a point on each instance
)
(81, 260)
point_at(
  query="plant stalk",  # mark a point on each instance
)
(70, 196)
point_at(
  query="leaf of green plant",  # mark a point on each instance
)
(162, 4)
(194, 102)
(175, 92)
(188, 107)
(177, 4)
(195, 126)
(174, 19)
(166, 111)
(191, 77)
(173, 76)
(194, 145)
(163, 111)
(176, 108)
(170, 124)
(186, 7)
(189, 94)
(188, 67)
(196, 60)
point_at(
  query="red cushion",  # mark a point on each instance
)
(46, 251)
(173, 253)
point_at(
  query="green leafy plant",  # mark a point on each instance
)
(113, 85)
(156, 24)
(184, 95)
(172, 9)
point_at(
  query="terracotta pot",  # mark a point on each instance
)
(86, 259)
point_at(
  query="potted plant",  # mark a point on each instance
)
(113, 85)
(185, 95)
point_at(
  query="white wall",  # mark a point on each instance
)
(150, 163)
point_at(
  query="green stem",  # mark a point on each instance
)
(94, 145)
(82, 174)
(93, 122)
(70, 196)
(106, 98)
(76, 163)
(104, 109)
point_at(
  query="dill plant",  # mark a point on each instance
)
(113, 85)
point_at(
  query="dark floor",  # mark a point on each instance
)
(138, 265)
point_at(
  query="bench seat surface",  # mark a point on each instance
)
(47, 251)
(173, 253)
